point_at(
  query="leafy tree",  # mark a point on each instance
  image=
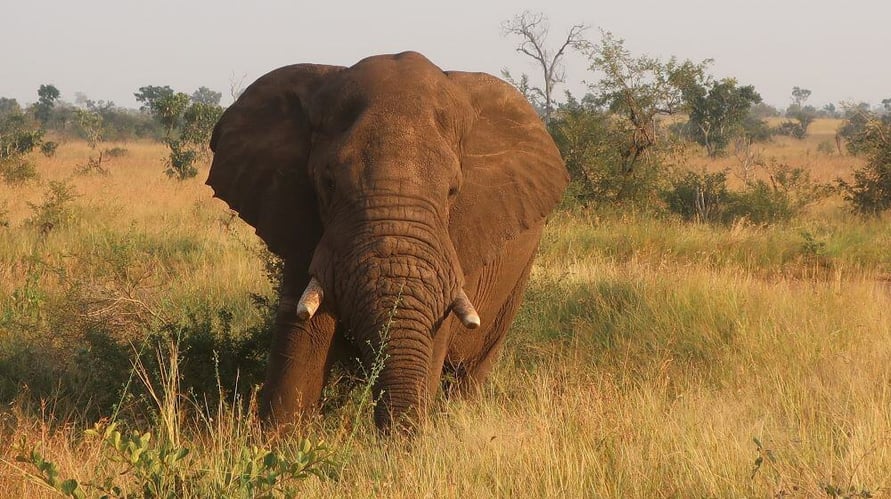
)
(206, 96)
(187, 122)
(830, 111)
(198, 122)
(90, 122)
(718, 111)
(857, 116)
(800, 96)
(798, 111)
(636, 91)
(533, 28)
(168, 110)
(754, 129)
(18, 137)
(870, 191)
(763, 110)
(47, 96)
(149, 94)
(581, 131)
(9, 106)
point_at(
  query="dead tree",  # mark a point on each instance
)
(533, 28)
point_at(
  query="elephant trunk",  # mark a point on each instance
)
(391, 318)
(392, 288)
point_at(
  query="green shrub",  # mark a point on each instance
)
(791, 129)
(55, 210)
(699, 197)
(870, 191)
(159, 465)
(48, 148)
(826, 147)
(18, 137)
(703, 197)
(116, 152)
(760, 203)
(180, 163)
(17, 170)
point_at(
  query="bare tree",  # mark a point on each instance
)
(236, 85)
(747, 159)
(533, 28)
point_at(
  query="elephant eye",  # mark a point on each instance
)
(453, 191)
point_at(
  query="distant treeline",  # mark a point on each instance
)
(65, 120)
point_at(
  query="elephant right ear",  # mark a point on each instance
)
(261, 146)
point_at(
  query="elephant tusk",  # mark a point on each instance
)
(465, 311)
(310, 300)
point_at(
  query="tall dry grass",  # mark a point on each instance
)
(650, 359)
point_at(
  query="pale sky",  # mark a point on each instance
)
(107, 49)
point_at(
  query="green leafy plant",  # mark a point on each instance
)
(55, 210)
(138, 465)
(188, 123)
(260, 472)
(159, 464)
(704, 197)
(90, 122)
(699, 197)
(870, 191)
(764, 455)
(48, 473)
(48, 148)
(180, 163)
(18, 137)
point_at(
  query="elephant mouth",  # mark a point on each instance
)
(312, 297)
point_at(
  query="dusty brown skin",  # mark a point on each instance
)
(395, 185)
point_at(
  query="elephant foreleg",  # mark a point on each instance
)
(470, 378)
(298, 364)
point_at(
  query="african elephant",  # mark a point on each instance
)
(407, 204)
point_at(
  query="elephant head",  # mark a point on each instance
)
(386, 183)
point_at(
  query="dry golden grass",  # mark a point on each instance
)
(135, 204)
(824, 163)
(647, 359)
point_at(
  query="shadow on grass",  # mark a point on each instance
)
(87, 370)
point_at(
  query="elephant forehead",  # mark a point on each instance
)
(396, 147)
(410, 90)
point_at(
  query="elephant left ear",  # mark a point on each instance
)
(513, 174)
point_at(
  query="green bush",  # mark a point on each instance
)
(17, 171)
(180, 163)
(48, 148)
(870, 191)
(826, 147)
(187, 124)
(604, 166)
(54, 210)
(159, 465)
(699, 197)
(116, 152)
(18, 137)
(704, 197)
(791, 129)
(760, 203)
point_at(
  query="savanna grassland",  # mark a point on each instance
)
(652, 358)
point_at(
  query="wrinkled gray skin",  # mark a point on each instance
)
(395, 185)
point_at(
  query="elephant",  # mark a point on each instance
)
(407, 204)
